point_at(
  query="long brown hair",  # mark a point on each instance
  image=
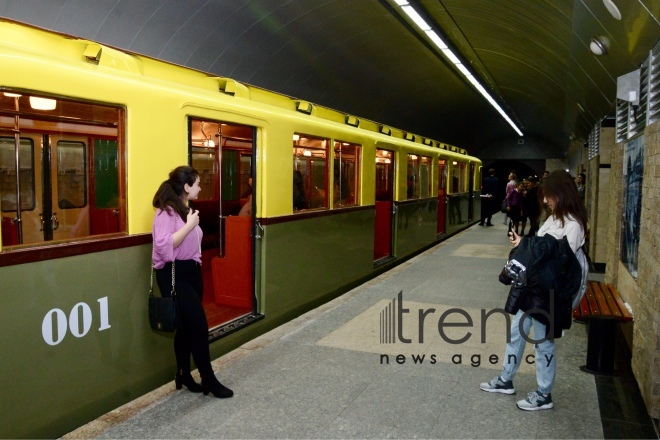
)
(170, 191)
(560, 186)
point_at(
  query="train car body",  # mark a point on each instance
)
(88, 133)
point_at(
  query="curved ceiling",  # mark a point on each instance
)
(365, 58)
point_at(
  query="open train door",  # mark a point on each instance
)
(384, 204)
(442, 193)
(222, 153)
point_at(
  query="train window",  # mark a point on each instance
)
(310, 172)
(71, 187)
(346, 174)
(425, 176)
(245, 170)
(71, 175)
(459, 177)
(442, 178)
(204, 161)
(8, 174)
(418, 176)
(384, 175)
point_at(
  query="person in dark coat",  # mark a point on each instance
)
(533, 208)
(490, 187)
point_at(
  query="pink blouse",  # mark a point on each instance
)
(166, 223)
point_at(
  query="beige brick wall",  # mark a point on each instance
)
(642, 294)
(598, 196)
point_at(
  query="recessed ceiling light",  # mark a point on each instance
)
(611, 7)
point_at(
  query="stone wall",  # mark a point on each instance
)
(642, 294)
(598, 172)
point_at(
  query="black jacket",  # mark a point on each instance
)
(545, 274)
(491, 185)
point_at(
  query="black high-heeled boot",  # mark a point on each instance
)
(214, 387)
(187, 380)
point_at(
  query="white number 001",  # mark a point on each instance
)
(80, 310)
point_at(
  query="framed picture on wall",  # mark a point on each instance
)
(633, 174)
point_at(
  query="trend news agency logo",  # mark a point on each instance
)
(391, 330)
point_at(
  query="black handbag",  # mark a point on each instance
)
(162, 310)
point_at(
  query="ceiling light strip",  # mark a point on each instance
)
(410, 11)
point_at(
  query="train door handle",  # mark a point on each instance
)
(41, 221)
(259, 230)
(54, 222)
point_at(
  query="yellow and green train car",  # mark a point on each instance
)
(87, 134)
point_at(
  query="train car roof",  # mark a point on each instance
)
(67, 47)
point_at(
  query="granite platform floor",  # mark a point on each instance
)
(331, 374)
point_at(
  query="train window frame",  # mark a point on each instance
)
(425, 163)
(64, 172)
(414, 179)
(32, 193)
(51, 233)
(384, 174)
(338, 146)
(305, 149)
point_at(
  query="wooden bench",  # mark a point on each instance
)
(603, 308)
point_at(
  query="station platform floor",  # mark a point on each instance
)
(332, 374)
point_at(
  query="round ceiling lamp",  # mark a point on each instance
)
(611, 7)
(599, 45)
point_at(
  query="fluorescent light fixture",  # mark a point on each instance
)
(414, 16)
(12, 95)
(42, 103)
(436, 39)
(451, 56)
(463, 69)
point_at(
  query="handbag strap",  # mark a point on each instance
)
(151, 282)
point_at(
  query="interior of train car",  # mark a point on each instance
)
(65, 182)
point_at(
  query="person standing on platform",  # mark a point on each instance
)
(177, 240)
(580, 182)
(514, 205)
(568, 219)
(510, 186)
(490, 187)
(533, 209)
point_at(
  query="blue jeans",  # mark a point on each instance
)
(546, 362)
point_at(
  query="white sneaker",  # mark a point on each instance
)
(497, 385)
(535, 401)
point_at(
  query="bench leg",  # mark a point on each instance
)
(600, 347)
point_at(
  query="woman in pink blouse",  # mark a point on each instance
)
(177, 239)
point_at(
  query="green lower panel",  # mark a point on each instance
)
(457, 212)
(477, 205)
(416, 226)
(308, 259)
(77, 340)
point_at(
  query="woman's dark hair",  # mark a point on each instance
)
(559, 185)
(170, 191)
